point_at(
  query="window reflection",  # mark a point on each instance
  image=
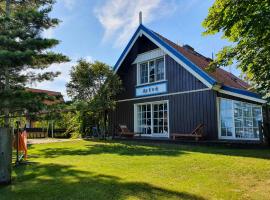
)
(151, 71)
(153, 118)
(239, 119)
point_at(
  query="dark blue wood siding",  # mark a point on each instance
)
(179, 79)
(186, 110)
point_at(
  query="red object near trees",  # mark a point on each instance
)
(22, 144)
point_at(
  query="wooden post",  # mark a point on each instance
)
(266, 125)
(17, 142)
(52, 130)
(5, 155)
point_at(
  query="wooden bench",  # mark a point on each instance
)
(196, 133)
(125, 132)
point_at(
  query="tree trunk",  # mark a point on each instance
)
(105, 122)
(5, 155)
(98, 128)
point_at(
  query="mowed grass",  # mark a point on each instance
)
(136, 170)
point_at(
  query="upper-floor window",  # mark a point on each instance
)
(151, 71)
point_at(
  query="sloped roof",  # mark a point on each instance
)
(180, 58)
(48, 92)
(58, 96)
(221, 76)
(196, 64)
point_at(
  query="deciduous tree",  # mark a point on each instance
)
(246, 24)
(97, 85)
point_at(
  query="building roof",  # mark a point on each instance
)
(58, 96)
(223, 77)
(48, 92)
(196, 64)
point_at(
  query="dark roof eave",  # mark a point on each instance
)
(252, 95)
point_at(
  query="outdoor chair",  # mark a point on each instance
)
(197, 133)
(125, 132)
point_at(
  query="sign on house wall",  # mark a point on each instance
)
(157, 88)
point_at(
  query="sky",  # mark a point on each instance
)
(100, 29)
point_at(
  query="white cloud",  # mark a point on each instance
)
(69, 4)
(119, 18)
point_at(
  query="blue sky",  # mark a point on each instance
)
(100, 29)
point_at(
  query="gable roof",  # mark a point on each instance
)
(196, 64)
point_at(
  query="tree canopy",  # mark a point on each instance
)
(246, 24)
(95, 86)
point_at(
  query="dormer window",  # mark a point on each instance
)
(151, 71)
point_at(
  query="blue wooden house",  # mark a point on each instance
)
(167, 90)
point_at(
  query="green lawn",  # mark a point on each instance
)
(130, 170)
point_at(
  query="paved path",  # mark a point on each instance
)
(48, 140)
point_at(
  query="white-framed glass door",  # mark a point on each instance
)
(151, 119)
(160, 119)
(144, 119)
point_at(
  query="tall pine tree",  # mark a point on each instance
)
(24, 53)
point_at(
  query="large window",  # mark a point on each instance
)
(152, 118)
(151, 71)
(239, 120)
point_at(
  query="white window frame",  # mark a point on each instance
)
(148, 73)
(167, 135)
(233, 137)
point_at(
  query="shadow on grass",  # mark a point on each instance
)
(132, 148)
(113, 147)
(219, 149)
(51, 181)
